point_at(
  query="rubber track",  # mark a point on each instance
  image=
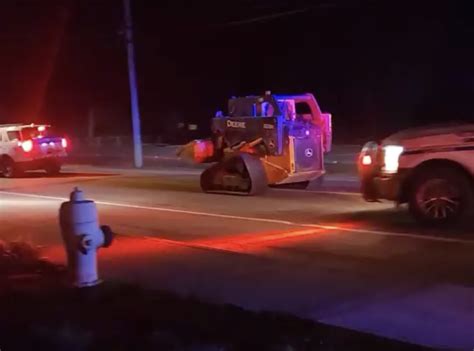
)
(258, 180)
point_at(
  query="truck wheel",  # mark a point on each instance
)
(8, 168)
(439, 196)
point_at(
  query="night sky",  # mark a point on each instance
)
(377, 66)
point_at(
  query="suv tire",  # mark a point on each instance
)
(8, 168)
(439, 195)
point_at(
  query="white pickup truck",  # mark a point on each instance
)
(430, 168)
(30, 147)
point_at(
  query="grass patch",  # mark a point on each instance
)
(124, 317)
(39, 312)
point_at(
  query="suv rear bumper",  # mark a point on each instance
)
(41, 163)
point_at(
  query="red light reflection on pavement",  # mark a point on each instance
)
(129, 247)
(347, 225)
(256, 241)
(135, 247)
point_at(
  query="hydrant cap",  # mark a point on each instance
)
(77, 195)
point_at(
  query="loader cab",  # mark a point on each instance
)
(253, 106)
(300, 107)
(302, 111)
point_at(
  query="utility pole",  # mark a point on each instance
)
(132, 77)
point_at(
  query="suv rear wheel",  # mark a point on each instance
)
(8, 168)
(440, 195)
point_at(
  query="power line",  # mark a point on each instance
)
(268, 17)
(292, 12)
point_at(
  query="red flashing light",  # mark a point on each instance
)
(64, 143)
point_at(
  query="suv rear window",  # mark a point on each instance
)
(13, 135)
(29, 133)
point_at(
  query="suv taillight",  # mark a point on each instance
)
(27, 145)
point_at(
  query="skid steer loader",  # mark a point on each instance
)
(263, 140)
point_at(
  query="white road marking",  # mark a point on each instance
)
(130, 171)
(242, 247)
(194, 172)
(344, 193)
(323, 192)
(256, 219)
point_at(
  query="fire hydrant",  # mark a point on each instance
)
(82, 237)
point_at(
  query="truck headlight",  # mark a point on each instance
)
(367, 160)
(391, 156)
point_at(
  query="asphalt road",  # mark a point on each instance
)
(324, 255)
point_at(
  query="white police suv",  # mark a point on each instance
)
(430, 168)
(30, 147)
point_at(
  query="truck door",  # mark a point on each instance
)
(307, 140)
